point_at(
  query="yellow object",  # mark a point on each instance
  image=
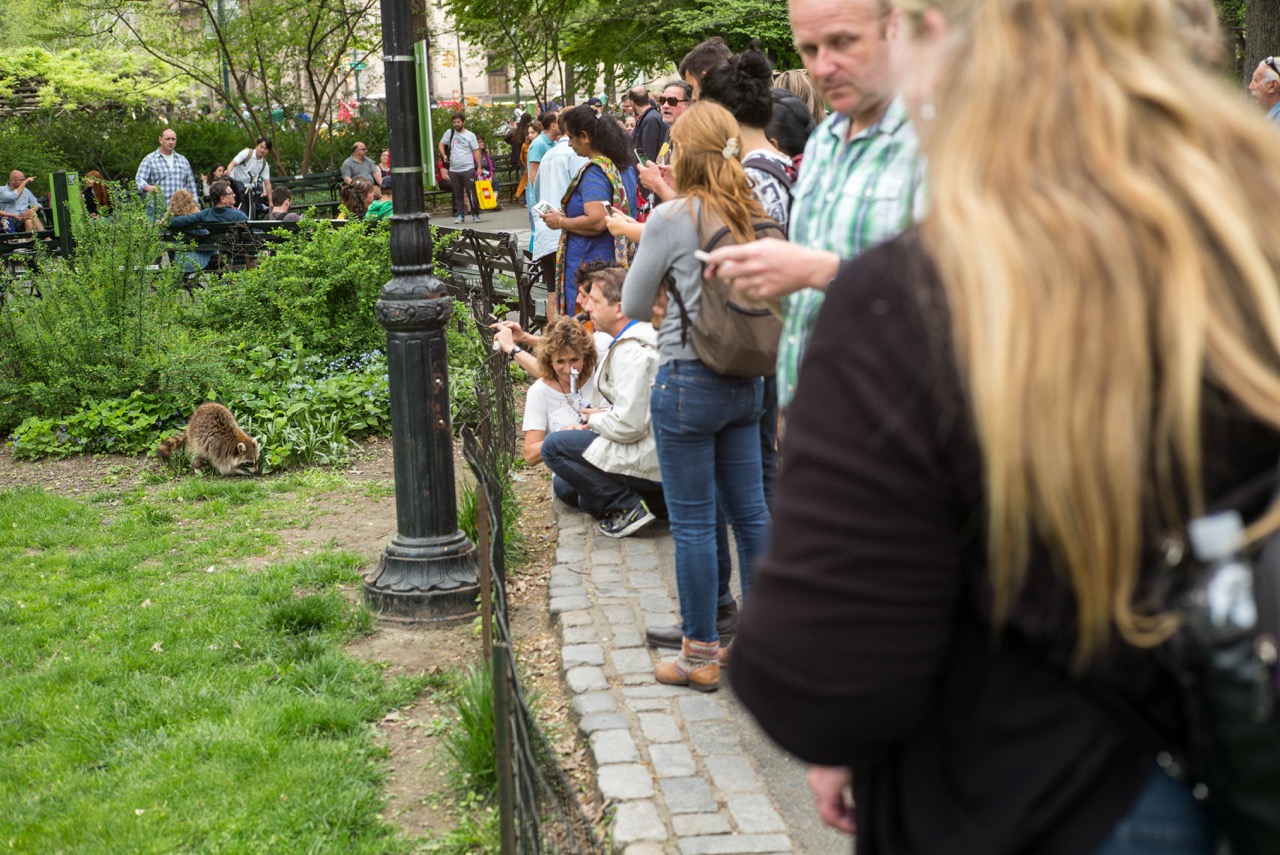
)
(484, 192)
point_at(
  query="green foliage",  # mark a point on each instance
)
(318, 289)
(471, 744)
(513, 545)
(105, 327)
(73, 79)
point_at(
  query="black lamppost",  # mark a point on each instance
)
(428, 570)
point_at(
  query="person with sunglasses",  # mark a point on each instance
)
(1265, 86)
(675, 100)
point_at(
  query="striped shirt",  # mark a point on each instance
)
(852, 195)
(169, 174)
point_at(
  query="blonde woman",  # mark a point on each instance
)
(706, 424)
(566, 365)
(1000, 417)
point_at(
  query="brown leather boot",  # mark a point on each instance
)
(723, 655)
(697, 666)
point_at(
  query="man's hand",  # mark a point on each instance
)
(518, 335)
(657, 178)
(770, 268)
(833, 796)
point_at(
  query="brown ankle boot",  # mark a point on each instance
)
(723, 655)
(697, 666)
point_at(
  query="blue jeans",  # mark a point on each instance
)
(599, 493)
(1165, 820)
(707, 427)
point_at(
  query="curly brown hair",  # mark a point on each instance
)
(566, 334)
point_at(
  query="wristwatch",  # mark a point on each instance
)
(515, 348)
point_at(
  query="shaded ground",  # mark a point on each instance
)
(361, 518)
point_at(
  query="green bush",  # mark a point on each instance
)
(471, 744)
(318, 288)
(106, 326)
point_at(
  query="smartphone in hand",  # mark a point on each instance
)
(640, 156)
(541, 207)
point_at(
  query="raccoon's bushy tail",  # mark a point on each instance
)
(168, 446)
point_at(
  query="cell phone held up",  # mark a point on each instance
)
(640, 156)
(541, 207)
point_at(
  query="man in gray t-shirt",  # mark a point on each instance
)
(359, 165)
(458, 148)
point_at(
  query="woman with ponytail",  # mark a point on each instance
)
(1002, 417)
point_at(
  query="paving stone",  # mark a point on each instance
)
(612, 594)
(582, 654)
(624, 781)
(713, 737)
(604, 721)
(569, 555)
(733, 773)
(614, 746)
(648, 704)
(601, 555)
(639, 678)
(594, 702)
(645, 849)
(646, 579)
(559, 605)
(580, 617)
(627, 638)
(582, 635)
(606, 576)
(754, 813)
(694, 824)
(657, 691)
(700, 708)
(576, 537)
(634, 661)
(634, 546)
(620, 615)
(660, 727)
(687, 795)
(638, 821)
(562, 575)
(734, 844)
(586, 678)
(644, 562)
(673, 760)
(657, 603)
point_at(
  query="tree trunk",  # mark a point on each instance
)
(1262, 33)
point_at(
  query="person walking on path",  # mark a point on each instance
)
(459, 148)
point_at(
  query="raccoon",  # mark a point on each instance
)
(212, 436)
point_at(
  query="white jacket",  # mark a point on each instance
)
(624, 379)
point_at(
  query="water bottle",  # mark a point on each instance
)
(1227, 583)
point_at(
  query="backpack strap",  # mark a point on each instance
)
(771, 167)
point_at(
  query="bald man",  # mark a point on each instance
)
(18, 205)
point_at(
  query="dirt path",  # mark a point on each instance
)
(362, 521)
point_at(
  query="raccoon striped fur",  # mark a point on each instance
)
(213, 437)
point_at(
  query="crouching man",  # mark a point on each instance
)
(611, 462)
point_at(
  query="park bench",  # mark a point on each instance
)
(316, 190)
(492, 264)
(19, 255)
(235, 246)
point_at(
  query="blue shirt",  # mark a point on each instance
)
(227, 214)
(594, 187)
(16, 201)
(1274, 113)
(169, 174)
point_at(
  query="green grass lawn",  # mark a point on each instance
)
(156, 695)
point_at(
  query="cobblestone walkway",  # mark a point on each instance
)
(670, 758)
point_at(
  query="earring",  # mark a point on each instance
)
(927, 112)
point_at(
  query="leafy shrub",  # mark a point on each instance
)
(318, 288)
(105, 327)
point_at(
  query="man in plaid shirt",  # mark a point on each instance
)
(166, 170)
(860, 180)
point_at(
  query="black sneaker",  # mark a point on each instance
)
(623, 523)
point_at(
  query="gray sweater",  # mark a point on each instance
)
(670, 238)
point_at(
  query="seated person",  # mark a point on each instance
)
(609, 466)
(281, 202)
(223, 211)
(19, 210)
(356, 198)
(182, 204)
(380, 208)
(566, 360)
(97, 200)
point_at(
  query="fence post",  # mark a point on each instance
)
(502, 734)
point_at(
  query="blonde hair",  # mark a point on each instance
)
(797, 82)
(1103, 233)
(703, 172)
(182, 202)
(566, 335)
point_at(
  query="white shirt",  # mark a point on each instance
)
(247, 168)
(548, 409)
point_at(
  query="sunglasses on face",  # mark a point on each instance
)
(671, 102)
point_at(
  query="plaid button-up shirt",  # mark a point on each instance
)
(852, 194)
(170, 176)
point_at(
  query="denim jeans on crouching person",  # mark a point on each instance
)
(1165, 820)
(597, 492)
(707, 427)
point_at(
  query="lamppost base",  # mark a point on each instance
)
(422, 580)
